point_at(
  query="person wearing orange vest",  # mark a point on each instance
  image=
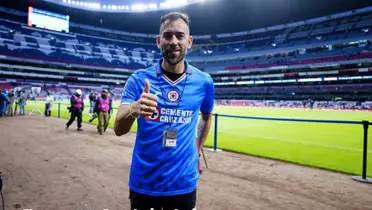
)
(76, 109)
(103, 107)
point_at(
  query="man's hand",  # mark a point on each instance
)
(146, 105)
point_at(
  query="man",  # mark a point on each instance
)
(22, 102)
(48, 105)
(76, 109)
(11, 101)
(95, 115)
(3, 102)
(92, 101)
(103, 107)
(166, 100)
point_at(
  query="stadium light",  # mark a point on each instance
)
(69, 1)
(152, 6)
(139, 7)
(64, 1)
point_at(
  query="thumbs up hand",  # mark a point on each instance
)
(146, 105)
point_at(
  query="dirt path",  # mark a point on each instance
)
(48, 168)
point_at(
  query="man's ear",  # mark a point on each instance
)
(190, 42)
(158, 41)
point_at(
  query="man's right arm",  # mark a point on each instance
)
(128, 112)
(124, 120)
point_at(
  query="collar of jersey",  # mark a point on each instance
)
(159, 70)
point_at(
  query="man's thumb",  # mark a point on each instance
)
(147, 86)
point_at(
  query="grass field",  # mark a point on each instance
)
(331, 146)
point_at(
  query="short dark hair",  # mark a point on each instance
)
(175, 16)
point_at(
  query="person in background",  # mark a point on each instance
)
(48, 105)
(103, 107)
(76, 109)
(22, 102)
(95, 115)
(6, 103)
(3, 101)
(11, 100)
(110, 112)
(92, 101)
(18, 95)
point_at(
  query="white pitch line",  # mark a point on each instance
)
(306, 143)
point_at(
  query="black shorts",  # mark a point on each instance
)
(146, 202)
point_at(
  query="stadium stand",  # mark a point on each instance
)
(320, 59)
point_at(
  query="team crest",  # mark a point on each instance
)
(155, 116)
(173, 96)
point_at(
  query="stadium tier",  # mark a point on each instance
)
(322, 59)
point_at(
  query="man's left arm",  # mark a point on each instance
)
(206, 109)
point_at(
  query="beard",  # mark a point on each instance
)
(172, 57)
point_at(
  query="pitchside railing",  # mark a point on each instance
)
(364, 125)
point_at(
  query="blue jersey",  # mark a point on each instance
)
(163, 171)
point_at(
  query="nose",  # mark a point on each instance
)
(174, 40)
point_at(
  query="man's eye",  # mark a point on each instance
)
(167, 36)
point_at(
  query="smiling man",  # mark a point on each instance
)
(166, 100)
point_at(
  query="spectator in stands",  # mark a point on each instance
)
(48, 105)
(76, 109)
(3, 102)
(11, 101)
(103, 108)
(164, 170)
(92, 101)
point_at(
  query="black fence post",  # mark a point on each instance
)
(215, 148)
(364, 177)
(59, 110)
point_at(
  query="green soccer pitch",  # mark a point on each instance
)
(335, 147)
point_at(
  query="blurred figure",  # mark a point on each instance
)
(92, 101)
(11, 101)
(18, 95)
(76, 109)
(103, 107)
(22, 102)
(3, 102)
(48, 105)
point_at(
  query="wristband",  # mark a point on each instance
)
(131, 112)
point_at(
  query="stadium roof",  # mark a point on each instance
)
(124, 6)
(207, 17)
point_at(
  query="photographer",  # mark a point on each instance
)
(76, 109)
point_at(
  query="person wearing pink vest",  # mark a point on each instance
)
(76, 109)
(103, 107)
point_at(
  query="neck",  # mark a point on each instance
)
(177, 69)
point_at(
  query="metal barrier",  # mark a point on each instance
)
(365, 125)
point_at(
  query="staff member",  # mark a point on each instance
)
(103, 107)
(166, 100)
(11, 101)
(76, 109)
(3, 101)
(48, 105)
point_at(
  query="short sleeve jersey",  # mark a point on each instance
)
(163, 171)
